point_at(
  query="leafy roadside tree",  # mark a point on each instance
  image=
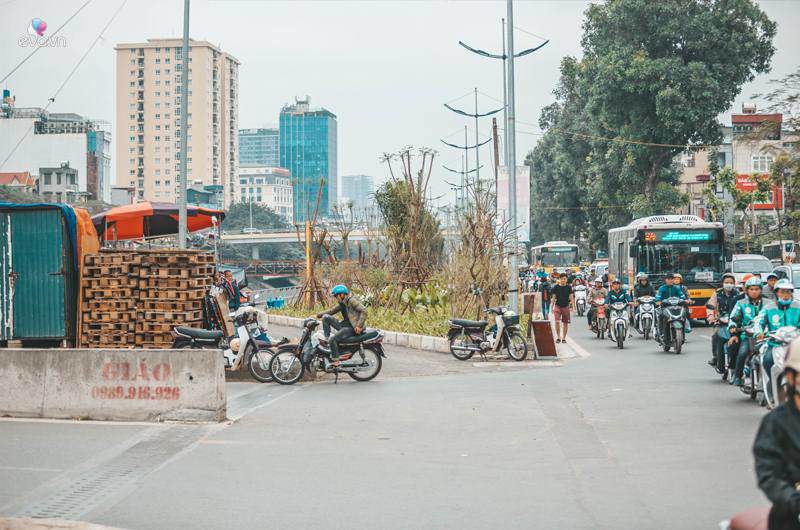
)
(651, 73)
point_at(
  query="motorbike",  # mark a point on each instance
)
(361, 356)
(673, 323)
(580, 299)
(719, 345)
(753, 385)
(775, 385)
(600, 323)
(618, 323)
(467, 337)
(250, 347)
(645, 318)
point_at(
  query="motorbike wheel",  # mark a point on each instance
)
(755, 379)
(371, 358)
(286, 367)
(678, 341)
(517, 346)
(620, 333)
(258, 364)
(665, 341)
(462, 341)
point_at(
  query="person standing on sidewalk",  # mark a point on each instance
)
(563, 299)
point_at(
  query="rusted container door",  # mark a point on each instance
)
(5, 277)
(37, 240)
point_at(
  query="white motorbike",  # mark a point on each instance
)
(646, 316)
(618, 323)
(580, 299)
(775, 380)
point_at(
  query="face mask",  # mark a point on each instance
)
(728, 286)
(784, 303)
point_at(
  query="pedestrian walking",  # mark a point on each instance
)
(563, 299)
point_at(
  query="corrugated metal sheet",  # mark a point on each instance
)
(39, 263)
(5, 278)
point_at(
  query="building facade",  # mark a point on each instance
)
(148, 83)
(59, 184)
(359, 190)
(308, 148)
(268, 186)
(259, 147)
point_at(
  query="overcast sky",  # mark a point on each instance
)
(384, 68)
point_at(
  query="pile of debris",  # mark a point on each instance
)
(134, 298)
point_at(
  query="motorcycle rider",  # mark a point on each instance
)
(768, 290)
(786, 312)
(354, 317)
(679, 283)
(721, 303)
(744, 311)
(668, 290)
(616, 294)
(776, 450)
(643, 287)
(595, 293)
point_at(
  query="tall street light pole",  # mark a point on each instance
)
(182, 217)
(511, 166)
(505, 99)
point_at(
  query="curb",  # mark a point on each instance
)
(408, 340)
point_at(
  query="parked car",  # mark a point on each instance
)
(744, 264)
(792, 273)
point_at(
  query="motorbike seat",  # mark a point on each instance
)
(464, 323)
(368, 334)
(202, 334)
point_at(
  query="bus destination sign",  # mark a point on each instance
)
(679, 236)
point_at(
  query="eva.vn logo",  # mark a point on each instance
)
(36, 38)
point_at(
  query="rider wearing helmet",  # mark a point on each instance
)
(354, 318)
(776, 448)
(744, 312)
(786, 312)
(668, 290)
(596, 292)
(721, 304)
(643, 286)
(679, 283)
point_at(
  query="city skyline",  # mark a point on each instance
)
(368, 92)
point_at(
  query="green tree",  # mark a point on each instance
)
(238, 217)
(652, 80)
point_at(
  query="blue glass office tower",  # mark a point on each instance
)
(308, 144)
(259, 147)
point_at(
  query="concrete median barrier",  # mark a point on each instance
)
(124, 385)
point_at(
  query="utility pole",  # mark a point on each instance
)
(511, 165)
(505, 97)
(477, 153)
(182, 216)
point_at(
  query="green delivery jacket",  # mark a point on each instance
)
(773, 316)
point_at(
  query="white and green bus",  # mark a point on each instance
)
(558, 256)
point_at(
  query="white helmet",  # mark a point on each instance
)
(784, 284)
(598, 280)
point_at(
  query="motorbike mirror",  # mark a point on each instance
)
(633, 251)
(257, 296)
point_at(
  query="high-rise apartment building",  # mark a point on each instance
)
(308, 145)
(358, 189)
(148, 118)
(259, 147)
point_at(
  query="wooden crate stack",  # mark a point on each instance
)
(133, 299)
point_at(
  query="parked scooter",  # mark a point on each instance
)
(360, 356)
(469, 336)
(618, 323)
(645, 319)
(775, 385)
(580, 299)
(673, 324)
(600, 323)
(250, 347)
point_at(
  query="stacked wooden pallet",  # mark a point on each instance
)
(134, 298)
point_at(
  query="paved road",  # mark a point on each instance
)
(619, 439)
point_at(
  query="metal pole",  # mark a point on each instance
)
(465, 176)
(477, 141)
(182, 217)
(505, 96)
(511, 163)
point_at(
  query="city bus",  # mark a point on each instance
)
(660, 244)
(558, 256)
(780, 252)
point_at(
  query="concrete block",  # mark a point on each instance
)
(402, 339)
(427, 343)
(390, 337)
(123, 385)
(415, 341)
(441, 345)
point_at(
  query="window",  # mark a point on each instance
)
(762, 163)
(47, 179)
(58, 178)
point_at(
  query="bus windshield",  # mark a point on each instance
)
(559, 258)
(701, 262)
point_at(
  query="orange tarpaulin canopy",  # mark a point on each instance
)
(151, 219)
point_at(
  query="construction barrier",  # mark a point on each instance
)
(125, 385)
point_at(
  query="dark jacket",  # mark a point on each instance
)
(640, 290)
(724, 301)
(356, 312)
(777, 459)
(234, 294)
